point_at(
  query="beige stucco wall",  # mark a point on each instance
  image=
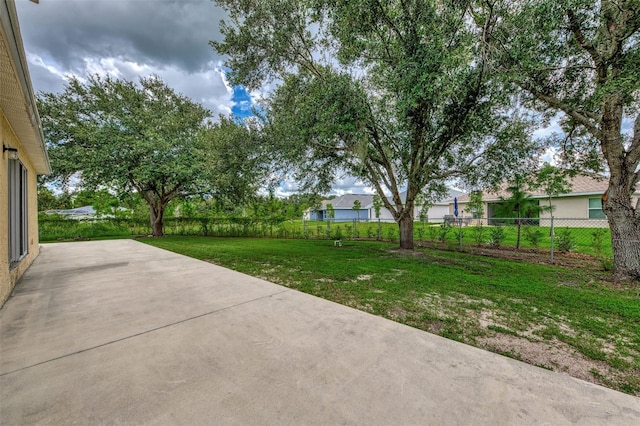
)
(465, 211)
(565, 208)
(569, 207)
(8, 278)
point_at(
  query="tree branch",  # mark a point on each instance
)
(389, 22)
(574, 26)
(578, 116)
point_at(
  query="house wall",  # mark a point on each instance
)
(462, 207)
(565, 208)
(437, 213)
(349, 214)
(9, 277)
(385, 215)
(568, 207)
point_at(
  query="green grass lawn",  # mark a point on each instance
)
(56, 229)
(527, 311)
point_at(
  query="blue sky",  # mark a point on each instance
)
(242, 102)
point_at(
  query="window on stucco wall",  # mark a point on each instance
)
(595, 209)
(18, 228)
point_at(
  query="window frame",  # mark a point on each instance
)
(595, 209)
(18, 219)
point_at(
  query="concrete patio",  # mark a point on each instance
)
(119, 332)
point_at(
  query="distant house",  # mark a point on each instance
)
(79, 213)
(435, 213)
(342, 208)
(583, 202)
(24, 156)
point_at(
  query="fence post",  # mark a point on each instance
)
(552, 236)
(304, 227)
(379, 229)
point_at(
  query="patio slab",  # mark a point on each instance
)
(120, 332)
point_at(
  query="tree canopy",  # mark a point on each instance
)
(144, 138)
(395, 93)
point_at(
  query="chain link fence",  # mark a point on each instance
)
(544, 235)
(549, 236)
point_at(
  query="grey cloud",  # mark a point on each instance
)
(127, 39)
(156, 32)
(43, 80)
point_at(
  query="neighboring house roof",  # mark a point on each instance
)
(451, 194)
(16, 97)
(448, 199)
(580, 185)
(345, 202)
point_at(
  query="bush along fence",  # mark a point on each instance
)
(545, 235)
(550, 236)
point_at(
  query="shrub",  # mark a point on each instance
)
(565, 240)
(433, 233)
(391, 233)
(496, 236)
(607, 263)
(443, 231)
(370, 232)
(597, 240)
(478, 233)
(533, 235)
(338, 235)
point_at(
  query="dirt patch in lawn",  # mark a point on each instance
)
(552, 354)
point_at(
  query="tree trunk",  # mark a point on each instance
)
(406, 231)
(624, 223)
(156, 214)
(623, 216)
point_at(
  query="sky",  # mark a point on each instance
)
(132, 38)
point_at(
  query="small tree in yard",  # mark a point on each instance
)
(476, 204)
(519, 204)
(553, 181)
(331, 212)
(377, 205)
(357, 205)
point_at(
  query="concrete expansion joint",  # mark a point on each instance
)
(226, 308)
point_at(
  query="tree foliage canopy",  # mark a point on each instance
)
(396, 93)
(109, 132)
(144, 138)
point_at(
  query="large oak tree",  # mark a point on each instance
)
(144, 138)
(582, 58)
(396, 93)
